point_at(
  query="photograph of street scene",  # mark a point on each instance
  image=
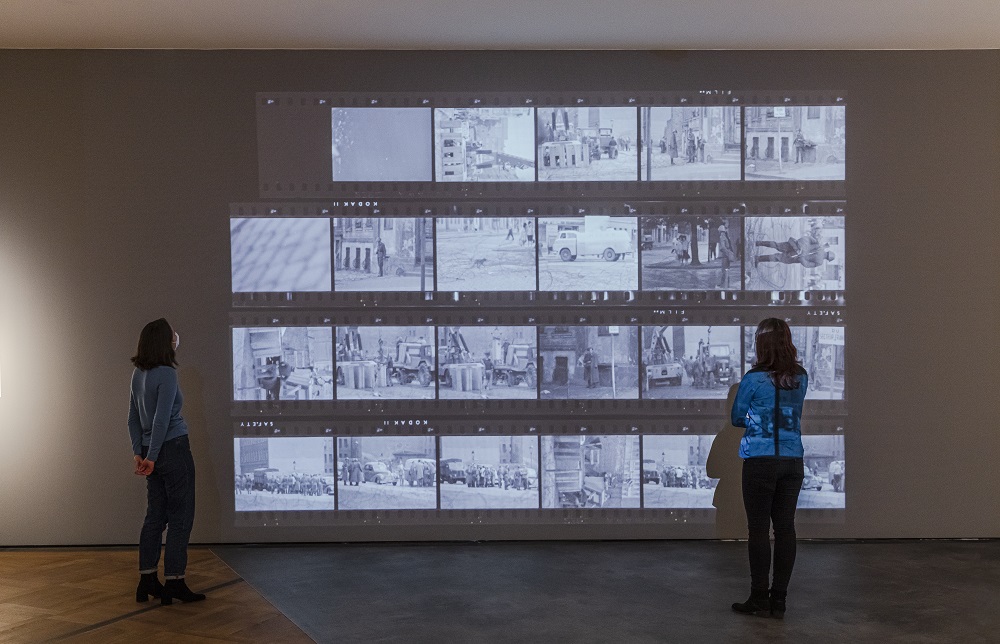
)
(590, 471)
(486, 254)
(386, 473)
(825, 472)
(283, 363)
(689, 362)
(588, 253)
(586, 143)
(821, 353)
(489, 472)
(379, 254)
(691, 144)
(280, 255)
(381, 143)
(673, 472)
(488, 363)
(283, 474)
(391, 362)
(795, 143)
(794, 253)
(691, 253)
(484, 144)
(589, 362)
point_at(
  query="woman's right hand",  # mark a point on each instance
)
(144, 468)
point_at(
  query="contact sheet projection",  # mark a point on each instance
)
(525, 308)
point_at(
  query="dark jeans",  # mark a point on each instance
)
(770, 492)
(169, 503)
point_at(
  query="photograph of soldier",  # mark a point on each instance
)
(821, 353)
(590, 471)
(285, 255)
(387, 473)
(689, 362)
(486, 253)
(284, 474)
(690, 143)
(691, 253)
(825, 473)
(673, 472)
(484, 144)
(381, 143)
(586, 143)
(804, 143)
(488, 362)
(588, 253)
(390, 362)
(489, 472)
(794, 253)
(283, 363)
(378, 254)
(589, 362)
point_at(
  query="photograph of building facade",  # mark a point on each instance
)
(377, 254)
(590, 471)
(484, 144)
(485, 254)
(691, 143)
(589, 362)
(283, 363)
(796, 143)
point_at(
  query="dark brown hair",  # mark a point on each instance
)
(776, 354)
(156, 346)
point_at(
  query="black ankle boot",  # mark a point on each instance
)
(177, 589)
(148, 585)
(757, 604)
(777, 602)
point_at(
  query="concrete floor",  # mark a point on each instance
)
(672, 591)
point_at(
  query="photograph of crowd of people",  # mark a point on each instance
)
(691, 253)
(821, 353)
(280, 255)
(283, 363)
(486, 254)
(381, 143)
(691, 144)
(589, 362)
(786, 143)
(794, 253)
(586, 143)
(377, 254)
(284, 474)
(588, 253)
(392, 362)
(825, 472)
(489, 472)
(673, 472)
(689, 362)
(488, 363)
(590, 471)
(484, 144)
(386, 473)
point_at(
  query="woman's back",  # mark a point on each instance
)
(755, 409)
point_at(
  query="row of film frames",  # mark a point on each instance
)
(538, 254)
(406, 471)
(441, 145)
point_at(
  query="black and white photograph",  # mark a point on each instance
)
(587, 143)
(825, 479)
(787, 143)
(689, 362)
(381, 143)
(488, 362)
(489, 472)
(691, 143)
(590, 471)
(390, 362)
(484, 144)
(284, 255)
(821, 353)
(588, 253)
(386, 473)
(486, 254)
(283, 363)
(794, 253)
(589, 362)
(691, 253)
(379, 254)
(673, 472)
(280, 474)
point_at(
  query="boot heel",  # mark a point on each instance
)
(141, 596)
(166, 599)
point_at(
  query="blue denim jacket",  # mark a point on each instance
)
(754, 409)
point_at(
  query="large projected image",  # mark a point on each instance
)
(392, 362)
(673, 472)
(381, 143)
(489, 472)
(691, 253)
(821, 352)
(284, 474)
(484, 144)
(486, 254)
(689, 362)
(586, 143)
(691, 143)
(283, 363)
(588, 253)
(488, 363)
(589, 362)
(280, 255)
(794, 253)
(795, 143)
(386, 473)
(383, 254)
(590, 471)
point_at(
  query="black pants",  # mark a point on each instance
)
(169, 504)
(770, 493)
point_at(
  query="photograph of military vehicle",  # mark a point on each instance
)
(488, 362)
(659, 365)
(385, 362)
(689, 362)
(586, 143)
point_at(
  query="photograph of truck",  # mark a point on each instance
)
(588, 253)
(586, 143)
(689, 362)
(386, 472)
(489, 472)
(488, 362)
(390, 362)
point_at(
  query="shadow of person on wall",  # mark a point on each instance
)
(724, 463)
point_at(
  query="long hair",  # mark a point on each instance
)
(776, 353)
(156, 346)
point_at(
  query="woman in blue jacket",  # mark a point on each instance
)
(769, 405)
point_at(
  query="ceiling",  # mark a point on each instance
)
(507, 24)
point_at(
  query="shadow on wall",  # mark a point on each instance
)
(724, 463)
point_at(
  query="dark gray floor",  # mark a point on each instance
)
(626, 592)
